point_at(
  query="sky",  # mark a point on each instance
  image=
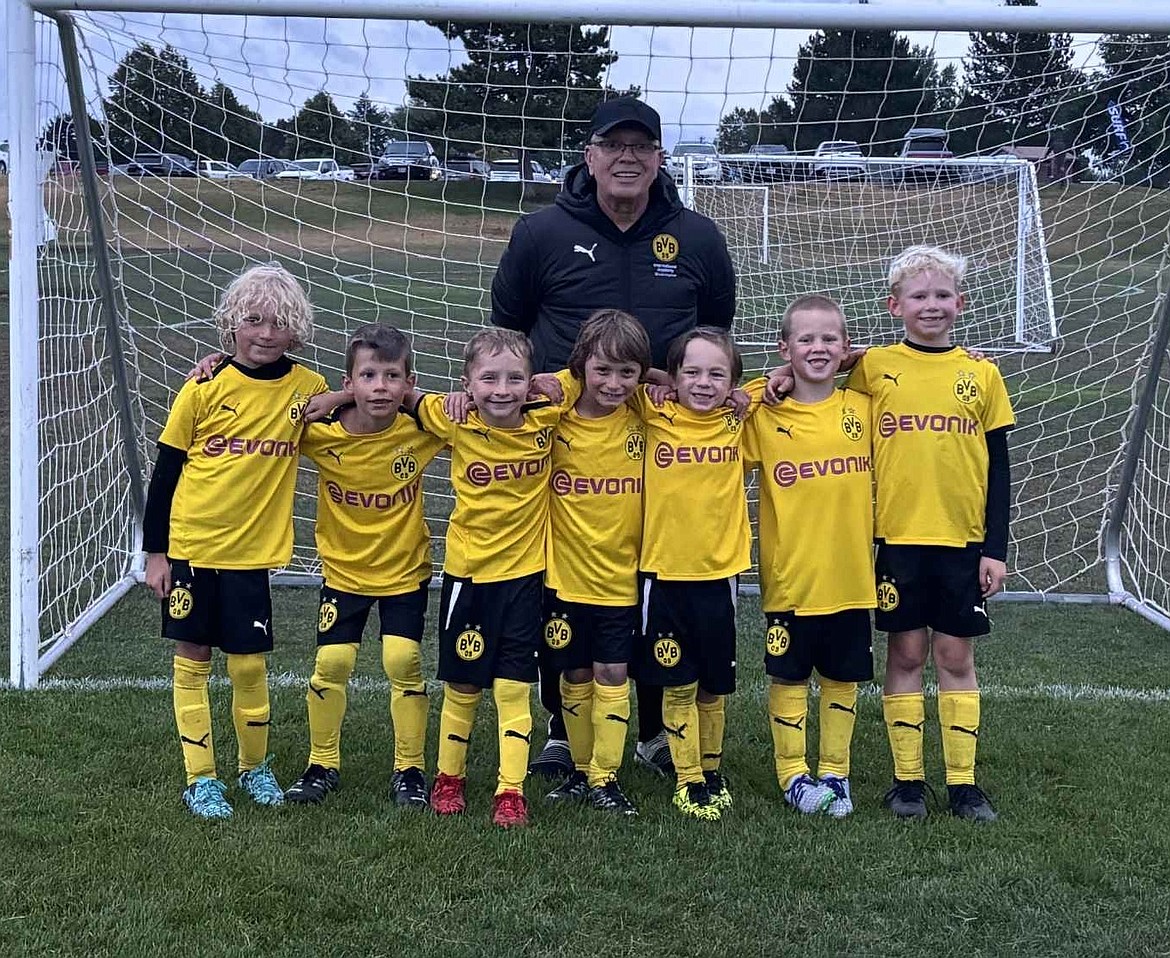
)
(690, 75)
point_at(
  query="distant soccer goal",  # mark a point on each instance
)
(192, 141)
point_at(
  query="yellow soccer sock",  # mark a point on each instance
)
(611, 719)
(788, 714)
(402, 660)
(514, 713)
(250, 707)
(326, 701)
(193, 717)
(958, 714)
(905, 715)
(455, 730)
(680, 716)
(577, 710)
(838, 716)
(711, 722)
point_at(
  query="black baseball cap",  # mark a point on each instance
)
(626, 111)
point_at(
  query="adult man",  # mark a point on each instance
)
(617, 236)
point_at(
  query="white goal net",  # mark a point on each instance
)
(1057, 195)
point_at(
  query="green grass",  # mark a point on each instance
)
(104, 860)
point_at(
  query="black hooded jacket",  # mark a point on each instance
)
(671, 270)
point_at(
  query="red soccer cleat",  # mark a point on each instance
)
(509, 810)
(447, 795)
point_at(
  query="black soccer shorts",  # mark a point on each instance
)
(577, 634)
(688, 633)
(489, 630)
(341, 616)
(838, 645)
(228, 609)
(935, 587)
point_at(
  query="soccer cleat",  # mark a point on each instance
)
(408, 788)
(655, 755)
(315, 783)
(610, 798)
(447, 795)
(906, 799)
(572, 789)
(718, 788)
(205, 798)
(554, 761)
(808, 796)
(692, 799)
(510, 810)
(260, 783)
(842, 803)
(970, 802)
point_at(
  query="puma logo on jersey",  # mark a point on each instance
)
(577, 248)
(973, 732)
(679, 733)
(320, 693)
(568, 445)
(262, 626)
(512, 733)
(798, 724)
(669, 419)
(917, 726)
(335, 455)
(197, 742)
(842, 708)
(486, 433)
(893, 379)
(234, 410)
(786, 430)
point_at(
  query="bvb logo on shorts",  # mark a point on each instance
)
(731, 421)
(665, 248)
(635, 445)
(557, 632)
(404, 467)
(667, 652)
(778, 639)
(181, 602)
(327, 616)
(852, 425)
(966, 388)
(469, 645)
(887, 596)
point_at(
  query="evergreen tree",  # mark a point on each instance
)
(526, 87)
(371, 125)
(153, 103)
(744, 128)
(227, 130)
(321, 129)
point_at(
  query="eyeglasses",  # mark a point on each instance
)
(615, 148)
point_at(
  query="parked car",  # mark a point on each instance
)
(410, 160)
(3, 159)
(838, 160)
(264, 169)
(922, 144)
(316, 168)
(467, 168)
(762, 168)
(705, 165)
(161, 164)
(508, 171)
(219, 170)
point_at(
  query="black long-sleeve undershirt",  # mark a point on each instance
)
(156, 523)
(999, 494)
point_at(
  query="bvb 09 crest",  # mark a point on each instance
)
(296, 412)
(667, 652)
(887, 596)
(327, 616)
(852, 425)
(557, 632)
(779, 639)
(404, 467)
(635, 445)
(966, 388)
(180, 603)
(469, 645)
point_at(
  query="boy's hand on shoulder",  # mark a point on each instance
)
(320, 406)
(978, 355)
(458, 406)
(779, 385)
(659, 395)
(205, 368)
(546, 386)
(992, 573)
(158, 574)
(740, 403)
(852, 358)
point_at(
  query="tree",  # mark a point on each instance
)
(866, 85)
(371, 125)
(227, 130)
(526, 86)
(153, 103)
(60, 136)
(744, 128)
(1021, 88)
(320, 128)
(1136, 76)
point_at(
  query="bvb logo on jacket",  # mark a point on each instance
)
(665, 249)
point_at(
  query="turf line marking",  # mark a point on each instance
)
(291, 680)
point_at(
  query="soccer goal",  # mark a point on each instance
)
(194, 137)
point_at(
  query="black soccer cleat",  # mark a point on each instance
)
(907, 799)
(610, 798)
(970, 802)
(572, 789)
(555, 761)
(315, 783)
(408, 788)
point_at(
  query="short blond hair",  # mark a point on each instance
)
(492, 340)
(921, 259)
(271, 289)
(810, 301)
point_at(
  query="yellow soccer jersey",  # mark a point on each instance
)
(500, 477)
(371, 533)
(695, 523)
(816, 503)
(595, 528)
(232, 508)
(931, 413)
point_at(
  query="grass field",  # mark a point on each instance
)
(102, 859)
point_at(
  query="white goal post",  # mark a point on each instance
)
(1058, 197)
